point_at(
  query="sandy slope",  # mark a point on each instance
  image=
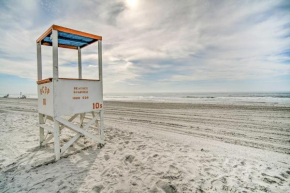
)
(153, 147)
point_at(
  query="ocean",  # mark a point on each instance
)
(254, 97)
(271, 98)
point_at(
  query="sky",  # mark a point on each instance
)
(153, 45)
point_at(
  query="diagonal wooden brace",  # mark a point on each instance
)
(76, 137)
(77, 129)
(90, 123)
(70, 120)
(69, 143)
(97, 121)
(47, 140)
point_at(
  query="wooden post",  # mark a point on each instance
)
(41, 130)
(39, 77)
(100, 62)
(39, 62)
(102, 125)
(101, 80)
(54, 37)
(96, 122)
(82, 117)
(56, 140)
(80, 62)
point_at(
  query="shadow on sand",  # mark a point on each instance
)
(66, 175)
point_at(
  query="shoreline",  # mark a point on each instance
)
(240, 103)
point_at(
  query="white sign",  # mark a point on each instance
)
(68, 97)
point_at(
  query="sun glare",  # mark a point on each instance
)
(132, 3)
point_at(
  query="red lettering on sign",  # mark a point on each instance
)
(97, 105)
(44, 90)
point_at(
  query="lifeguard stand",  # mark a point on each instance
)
(62, 97)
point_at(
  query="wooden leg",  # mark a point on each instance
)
(97, 122)
(82, 117)
(41, 130)
(102, 125)
(56, 140)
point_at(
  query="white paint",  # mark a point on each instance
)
(56, 141)
(54, 37)
(41, 130)
(48, 128)
(63, 97)
(80, 62)
(47, 96)
(39, 61)
(65, 104)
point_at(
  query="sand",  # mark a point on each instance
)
(152, 147)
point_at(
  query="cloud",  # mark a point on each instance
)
(151, 42)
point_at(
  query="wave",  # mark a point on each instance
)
(196, 97)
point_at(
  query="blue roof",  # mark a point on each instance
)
(69, 39)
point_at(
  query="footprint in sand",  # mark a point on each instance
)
(141, 147)
(129, 159)
(107, 157)
(220, 184)
(272, 179)
(166, 187)
(172, 173)
(285, 175)
(97, 189)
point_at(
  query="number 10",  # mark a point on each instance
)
(97, 105)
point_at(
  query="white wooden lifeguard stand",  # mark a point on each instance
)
(62, 97)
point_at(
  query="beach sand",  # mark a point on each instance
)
(152, 147)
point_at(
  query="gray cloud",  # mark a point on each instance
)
(151, 42)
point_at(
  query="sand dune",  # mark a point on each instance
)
(153, 147)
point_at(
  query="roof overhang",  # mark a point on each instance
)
(68, 38)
